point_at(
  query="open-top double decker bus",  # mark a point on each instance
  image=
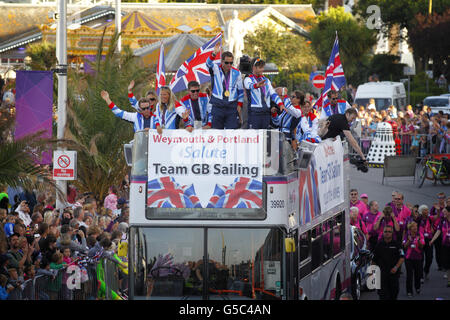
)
(236, 214)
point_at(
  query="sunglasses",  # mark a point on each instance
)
(293, 97)
(228, 62)
(333, 98)
(145, 108)
(194, 91)
(152, 99)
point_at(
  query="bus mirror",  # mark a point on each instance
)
(289, 243)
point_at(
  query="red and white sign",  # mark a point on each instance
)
(318, 81)
(64, 165)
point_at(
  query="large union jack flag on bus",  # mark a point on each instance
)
(334, 75)
(165, 192)
(194, 68)
(242, 193)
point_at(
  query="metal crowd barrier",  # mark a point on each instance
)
(406, 145)
(45, 287)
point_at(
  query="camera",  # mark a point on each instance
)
(245, 65)
(359, 163)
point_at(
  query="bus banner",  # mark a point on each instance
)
(205, 169)
(329, 157)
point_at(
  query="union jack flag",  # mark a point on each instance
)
(194, 68)
(160, 70)
(334, 75)
(242, 193)
(165, 192)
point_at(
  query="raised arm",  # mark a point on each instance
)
(209, 61)
(128, 116)
(133, 101)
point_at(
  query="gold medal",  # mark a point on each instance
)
(226, 93)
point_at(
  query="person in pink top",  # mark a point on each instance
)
(436, 213)
(415, 216)
(387, 218)
(111, 199)
(369, 219)
(365, 198)
(401, 211)
(355, 202)
(357, 222)
(392, 203)
(427, 229)
(444, 230)
(413, 244)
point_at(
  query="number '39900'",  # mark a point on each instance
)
(277, 204)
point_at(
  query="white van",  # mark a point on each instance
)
(385, 93)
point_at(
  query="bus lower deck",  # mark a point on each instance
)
(278, 230)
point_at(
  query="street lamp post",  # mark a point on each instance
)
(118, 18)
(61, 72)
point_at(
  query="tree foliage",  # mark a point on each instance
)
(426, 37)
(97, 134)
(423, 29)
(291, 53)
(43, 55)
(355, 41)
(18, 168)
(387, 67)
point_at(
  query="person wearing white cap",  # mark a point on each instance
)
(365, 199)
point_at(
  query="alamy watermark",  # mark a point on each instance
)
(374, 278)
(374, 20)
(74, 279)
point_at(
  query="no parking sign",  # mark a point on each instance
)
(64, 165)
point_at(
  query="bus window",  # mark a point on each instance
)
(245, 263)
(327, 245)
(316, 247)
(342, 226)
(305, 246)
(174, 256)
(336, 240)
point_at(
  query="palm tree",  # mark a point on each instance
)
(18, 159)
(97, 135)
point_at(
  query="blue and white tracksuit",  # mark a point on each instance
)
(329, 110)
(168, 119)
(204, 108)
(224, 109)
(134, 102)
(307, 128)
(287, 120)
(136, 118)
(259, 101)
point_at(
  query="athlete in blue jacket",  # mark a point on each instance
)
(198, 104)
(141, 120)
(227, 95)
(259, 92)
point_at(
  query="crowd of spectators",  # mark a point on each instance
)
(420, 131)
(417, 228)
(38, 239)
